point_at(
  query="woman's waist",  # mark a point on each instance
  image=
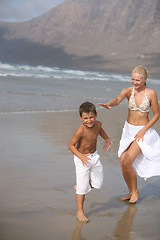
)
(137, 123)
(131, 129)
(138, 119)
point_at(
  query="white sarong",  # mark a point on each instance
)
(147, 163)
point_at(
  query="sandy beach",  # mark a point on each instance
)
(37, 177)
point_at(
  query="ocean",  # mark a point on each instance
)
(25, 89)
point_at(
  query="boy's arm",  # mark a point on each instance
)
(108, 142)
(103, 134)
(74, 140)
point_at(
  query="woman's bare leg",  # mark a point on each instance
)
(128, 171)
(128, 196)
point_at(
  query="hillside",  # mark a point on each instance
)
(108, 35)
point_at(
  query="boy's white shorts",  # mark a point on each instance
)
(90, 175)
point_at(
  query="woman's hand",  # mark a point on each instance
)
(140, 135)
(105, 105)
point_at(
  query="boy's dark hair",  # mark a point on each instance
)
(87, 107)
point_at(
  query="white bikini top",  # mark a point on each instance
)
(144, 106)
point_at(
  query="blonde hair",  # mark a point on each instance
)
(141, 70)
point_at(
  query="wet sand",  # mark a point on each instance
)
(37, 176)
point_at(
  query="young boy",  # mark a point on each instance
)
(89, 170)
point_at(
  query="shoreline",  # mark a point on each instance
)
(37, 178)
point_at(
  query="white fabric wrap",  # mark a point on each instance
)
(147, 163)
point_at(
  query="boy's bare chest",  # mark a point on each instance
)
(90, 135)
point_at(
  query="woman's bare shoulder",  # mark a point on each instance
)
(152, 96)
(127, 91)
(129, 88)
(151, 92)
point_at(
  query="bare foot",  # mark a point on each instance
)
(134, 197)
(127, 197)
(82, 218)
(75, 187)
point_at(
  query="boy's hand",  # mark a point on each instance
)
(107, 144)
(85, 160)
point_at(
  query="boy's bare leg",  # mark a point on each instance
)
(80, 202)
(80, 213)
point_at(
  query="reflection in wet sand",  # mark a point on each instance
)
(77, 232)
(123, 228)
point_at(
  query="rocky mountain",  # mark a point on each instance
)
(107, 35)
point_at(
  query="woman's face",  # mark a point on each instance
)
(137, 80)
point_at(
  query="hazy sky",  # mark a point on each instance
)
(21, 10)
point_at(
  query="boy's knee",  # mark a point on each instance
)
(83, 189)
(97, 183)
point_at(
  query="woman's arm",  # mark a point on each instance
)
(156, 114)
(155, 109)
(117, 100)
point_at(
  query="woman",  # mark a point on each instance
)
(139, 149)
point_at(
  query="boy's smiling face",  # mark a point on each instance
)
(88, 119)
